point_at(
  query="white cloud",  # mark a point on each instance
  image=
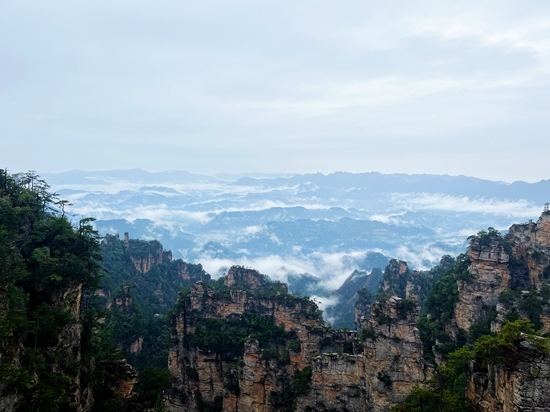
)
(252, 230)
(332, 268)
(513, 208)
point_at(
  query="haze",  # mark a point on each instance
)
(277, 86)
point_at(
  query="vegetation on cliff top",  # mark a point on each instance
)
(446, 391)
(46, 266)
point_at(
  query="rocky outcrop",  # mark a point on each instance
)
(119, 377)
(67, 346)
(520, 261)
(338, 383)
(347, 373)
(377, 366)
(247, 279)
(144, 258)
(489, 276)
(252, 377)
(521, 384)
(531, 245)
(393, 353)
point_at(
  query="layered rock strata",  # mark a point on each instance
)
(521, 384)
(348, 372)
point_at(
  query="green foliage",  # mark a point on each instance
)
(301, 381)
(483, 327)
(364, 296)
(426, 400)
(531, 305)
(509, 297)
(385, 378)
(527, 304)
(44, 263)
(514, 332)
(379, 311)
(152, 382)
(446, 391)
(405, 307)
(439, 309)
(229, 335)
(368, 333)
(295, 346)
(486, 237)
(142, 300)
(205, 406)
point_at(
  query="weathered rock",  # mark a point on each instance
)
(393, 354)
(531, 244)
(490, 276)
(251, 381)
(523, 385)
(346, 374)
(338, 383)
(120, 377)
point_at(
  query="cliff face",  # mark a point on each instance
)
(518, 262)
(241, 374)
(531, 243)
(154, 277)
(393, 351)
(141, 285)
(489, 277)
(346, 372)
(66, 345)
(522, 384)
(383, 365)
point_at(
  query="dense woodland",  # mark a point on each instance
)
(47, 266)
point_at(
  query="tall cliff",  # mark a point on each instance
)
(243, 343)
(140, 286)
(238, 342)
(470, 311)
(521, 382)
(48, 324)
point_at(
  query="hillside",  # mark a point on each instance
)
(470, 334)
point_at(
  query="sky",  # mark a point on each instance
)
(277, 86)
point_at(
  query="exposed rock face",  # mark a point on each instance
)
(338, 383)
(520, 261)
(120, 377)
(393, 353)
(68, 347)
(137, 345)
(144, 260)
(531, 243)
(257, 379)
(123, 301)
(376, 367)
(396, 277)
(347, 374)
(523, 384)
(248, 279)
(490, 276)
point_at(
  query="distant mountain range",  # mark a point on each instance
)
(322, 225)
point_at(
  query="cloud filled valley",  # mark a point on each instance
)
(322, 225)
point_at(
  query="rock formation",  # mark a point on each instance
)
(241, 373)
(347, 373)
(522, 383)
(489, 277)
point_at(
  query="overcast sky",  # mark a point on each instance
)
(277, 86)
